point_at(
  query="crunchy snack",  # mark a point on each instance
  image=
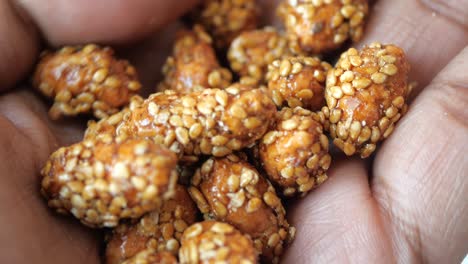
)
(295, 153)
(252, 51)
(101, 181)
(159, 230)
(215, 242)
(298, 81)
(149, 256)
(366, 95)
(231, 190)
(321, 26)
(109, 127)
(226, 19)
(193, 65)
(84, 80)
(211, 122)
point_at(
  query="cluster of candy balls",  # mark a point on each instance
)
(198, 171)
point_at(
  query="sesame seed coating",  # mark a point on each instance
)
(324, 25)
(211, 242)
(231, 190)
(149, 256)
(159, 230)
(298, 81)
(109, 127)
(226, 19)
(85, 80)
(193, 65)
(294, 154)
(366, 95)
(101, 182)
(210, 122)
(252, 51)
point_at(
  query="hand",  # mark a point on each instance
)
(408, 205)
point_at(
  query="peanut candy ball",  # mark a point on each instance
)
(193, 65)
(226, 19)
(85, 80)
(152, 257)
(101, 182)
(211, 122)
(211, 242)
(298, 81)
(252, 51)
(159, 230)
(294, 154)
(322, 26)
(232, 191)
(366, 95)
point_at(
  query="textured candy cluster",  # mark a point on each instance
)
(216, 242)
(85, 80)
(298, 81)
(101, 182)
(158, 231)
(201, 170)
(366, 95)
(193, 65)
(294, 154)
(232, 191)
(322, 26)
(226, 19)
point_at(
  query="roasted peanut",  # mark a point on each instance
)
(252, 51)
(160, 230)
(193, 65)
(211, 122)
(84, 80)
(101, 182)
(212, 242)
(322, 26)
(366, 95)
(294, 153)
(226, 19)
(232, 191)
(298, 81)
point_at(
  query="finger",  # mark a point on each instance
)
(75, 22)
(420, 174)
(339, 222)
(30, 233)
(102, 20)
(18, 44)
(429, 34)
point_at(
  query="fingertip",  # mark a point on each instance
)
(102, 21)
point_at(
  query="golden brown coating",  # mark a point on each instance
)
(232, 191)
(366, 95)
(101, 182)
(149, 256)
(109, 127)
(324, 25)
(298, 81)
(226, 19)
(85, 80)
(193, 65)
(211, 242)
(159, 230)
(294, 154)
(252, 51)
(211, 122)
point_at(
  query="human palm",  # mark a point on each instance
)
(407, 205)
